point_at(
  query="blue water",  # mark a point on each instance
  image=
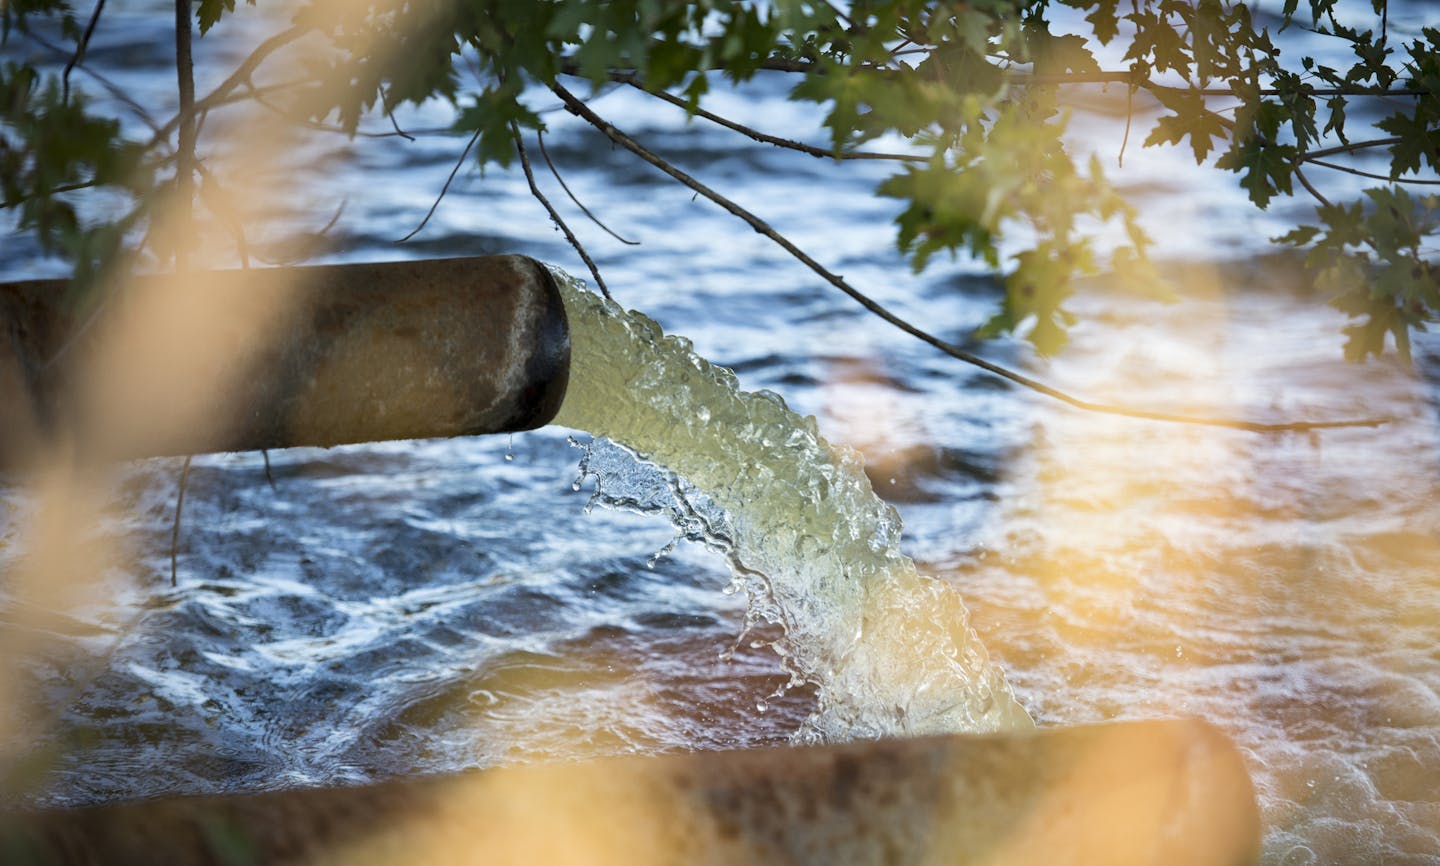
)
(415, 607)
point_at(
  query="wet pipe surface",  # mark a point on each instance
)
(1174, 793)
(278, 357)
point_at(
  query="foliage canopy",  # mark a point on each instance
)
(977, 88)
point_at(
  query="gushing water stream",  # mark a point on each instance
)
(888, 650)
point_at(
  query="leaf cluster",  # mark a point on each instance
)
(977, 90)
(52, 147)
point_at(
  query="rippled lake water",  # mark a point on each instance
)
(422, 606)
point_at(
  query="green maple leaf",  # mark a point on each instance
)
(1266, 169)
(1103, 19)
(210, 11)
(1418, 142)
(1191, 120)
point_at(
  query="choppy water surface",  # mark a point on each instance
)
(421, 606)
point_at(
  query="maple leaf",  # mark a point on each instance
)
(1418, 141)
(1191, 120)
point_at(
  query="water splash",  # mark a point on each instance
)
(889, 651)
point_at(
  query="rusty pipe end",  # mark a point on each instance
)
(546, 374)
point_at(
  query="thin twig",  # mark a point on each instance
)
(265, 453)
(1311, 155)
(221, 94)
(184, 192)
(79, 56)
(444, 189)
(570, 66)
(544, 152)
(555, 215)
(254, 93)
(1022, 79)
(1309, 187)
(185, 147)
(760, 226)
(67, 187)
(1129, 116)
(114, 90)
(175, 526)
(390, 113)
(1372, 175)
(755, 134)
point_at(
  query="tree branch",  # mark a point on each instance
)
(1338, 149)
(540, 140)
(185, 146)
(79, 56)
(784, 64)
(242, 73)
(1372, 175)
(67, 187)
(255, 93)
(634, 81)
(115, 91)
(444, 189)
(175, 526)
(580, 109)
(390, 113)
(1305, 182)
(554, 215)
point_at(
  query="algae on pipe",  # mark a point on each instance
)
(890, 651)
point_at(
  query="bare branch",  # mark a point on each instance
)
(185, 147)
(1307, 156)
(1305, 182)
(114, 90)
(175, 526)
(1372, 175)
(79, 56)
(765, 138)
(554, 215)
(444, 189)
(68, 187)
(1129, 116)
(221, 94)
(390, 113)
(783, 64)
(540, 140)
(610, 131)
(255, 93)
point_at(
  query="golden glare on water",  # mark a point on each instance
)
(1281, 586)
